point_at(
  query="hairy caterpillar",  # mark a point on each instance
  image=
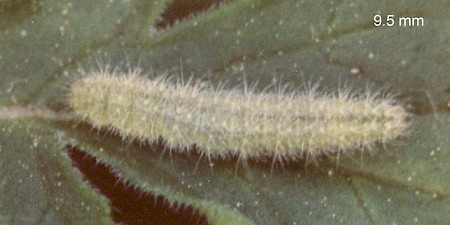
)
(236, 122)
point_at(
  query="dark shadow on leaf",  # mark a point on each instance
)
(179, 10)
(129, 204)
(15, 12)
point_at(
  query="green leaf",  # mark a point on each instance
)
(335, 42)
(38, 41)
(38, 184)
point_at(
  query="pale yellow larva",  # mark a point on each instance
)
(234, 122)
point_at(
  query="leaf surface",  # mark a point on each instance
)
(295, 42)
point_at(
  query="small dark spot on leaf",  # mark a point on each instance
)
(417, 103)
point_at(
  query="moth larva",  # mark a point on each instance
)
(235, 122)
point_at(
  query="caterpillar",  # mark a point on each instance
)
(220, 122)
